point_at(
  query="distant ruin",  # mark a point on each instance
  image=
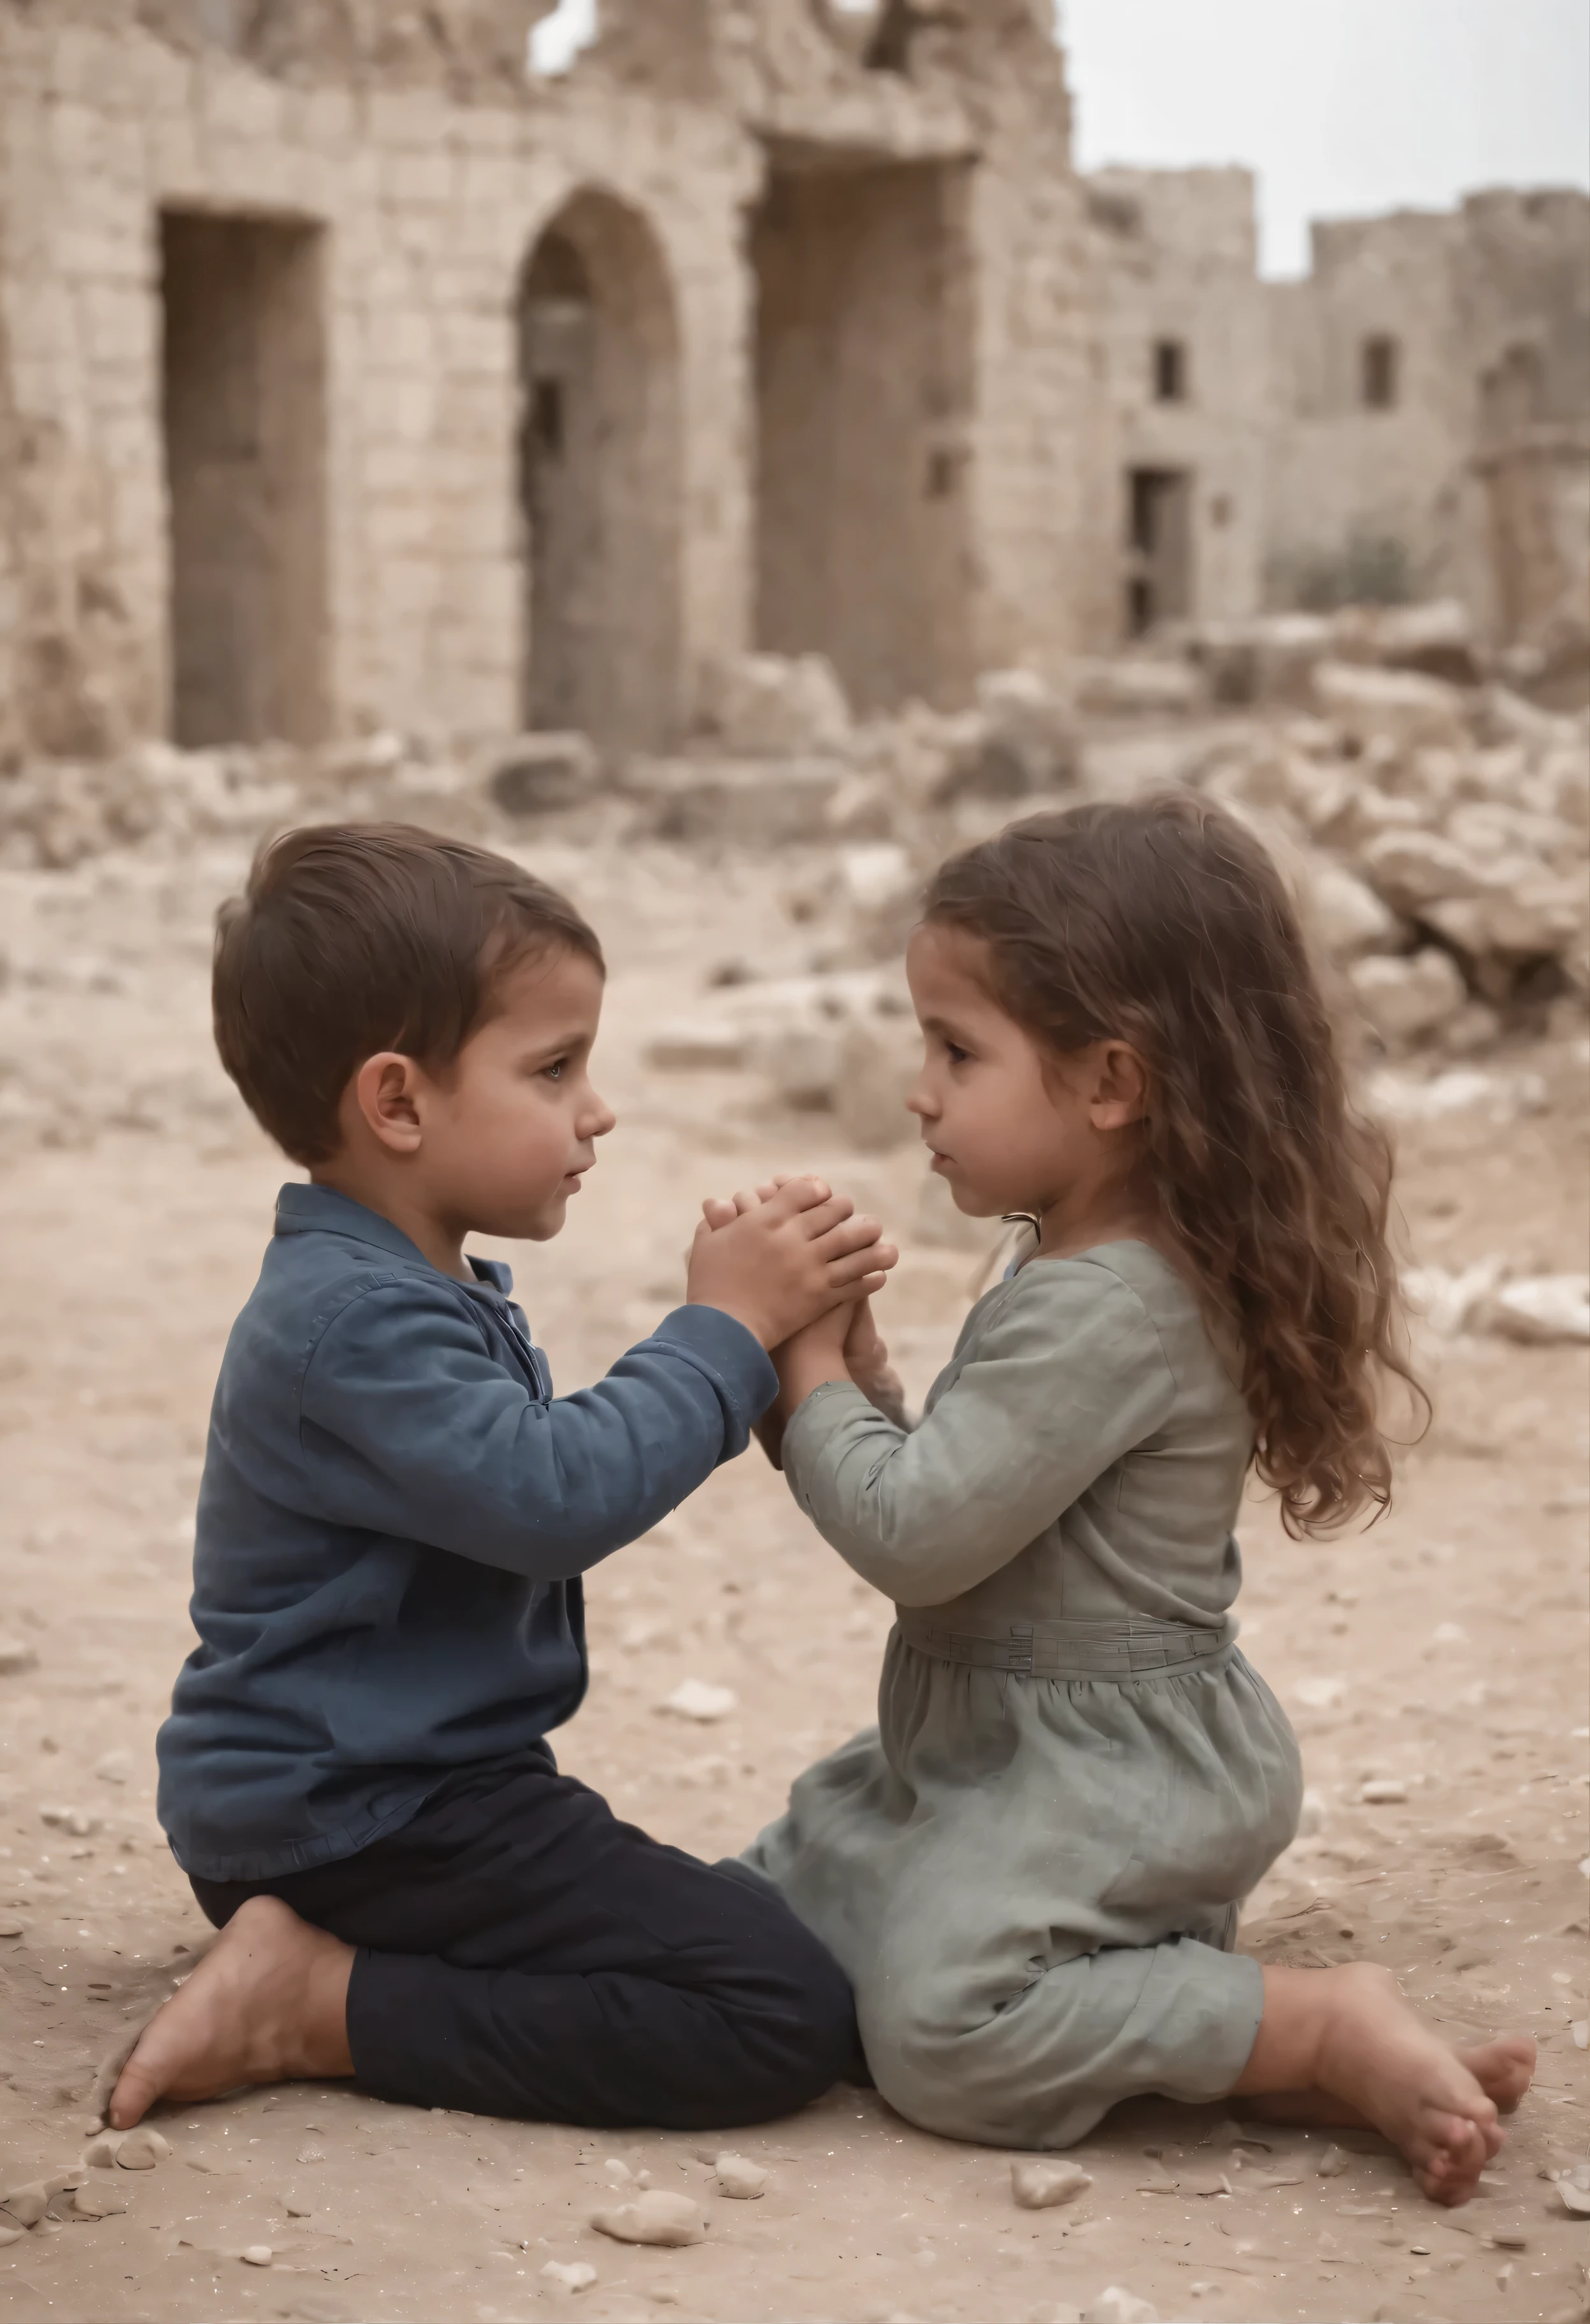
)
(351, 376)
(1412, 420)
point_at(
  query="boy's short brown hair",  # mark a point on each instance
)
(352, 938)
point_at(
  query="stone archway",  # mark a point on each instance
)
(599, 477)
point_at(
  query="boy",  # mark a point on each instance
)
(394, 1515)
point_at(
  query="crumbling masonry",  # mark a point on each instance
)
(351, 376)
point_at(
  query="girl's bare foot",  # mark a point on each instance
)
(1347, 2033)
(267, 2004)
(1503, 2069)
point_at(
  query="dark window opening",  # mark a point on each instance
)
(1381, 368)
(1171, 370)
(1159, 547)
(547, 417)
(941, 475)
(1221, 511)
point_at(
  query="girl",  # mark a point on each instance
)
(1032, 1868)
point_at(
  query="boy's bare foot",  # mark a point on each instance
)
(1347, 2033)
(1503, 2069)
(267, 2004)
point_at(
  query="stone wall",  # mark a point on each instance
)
(1185, 338)
(470, 437)
(1408, 421)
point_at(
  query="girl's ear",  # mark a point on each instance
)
(1120, 1087)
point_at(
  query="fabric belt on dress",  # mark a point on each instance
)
(1070, 1649)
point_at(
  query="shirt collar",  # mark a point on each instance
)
(321, 1210)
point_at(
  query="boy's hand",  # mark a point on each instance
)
(777, 1265)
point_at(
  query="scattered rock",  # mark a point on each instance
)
(1138, 685)
(1116, 2305)
(1408, 709)
(1406, 1000)
(1540, 1310)
(1040, 2186)
(28, 2204)
(738, 2176)
(9, 2236)
(142, 2149)
(775, 706)
(114, 1768)
(538, 772)
(99, 2199)
(77, 1821)
(1573, 2186)
(654, 2218)
(693, 1698)
(1313, 1815)
(765, 803)
(16, 1656)
(9, 1926)
(1348, 917)
(1320, 1693)
(255, 2254)
(1027, 741)
(573, 2275)
(1333, 2163)
(100, 2153)
(1382, 1792)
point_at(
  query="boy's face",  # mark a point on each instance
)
(510, 1130)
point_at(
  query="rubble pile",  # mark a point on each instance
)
(1438, 832)
(1441, 839)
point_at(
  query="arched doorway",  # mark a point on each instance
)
(599, 478)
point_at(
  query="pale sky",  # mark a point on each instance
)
(1342, 106)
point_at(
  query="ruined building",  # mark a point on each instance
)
(349, 375)
(1411, 418)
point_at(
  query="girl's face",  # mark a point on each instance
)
(1012, 1127)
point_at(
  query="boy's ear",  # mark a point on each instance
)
(385, 1091)
(1120, 1090)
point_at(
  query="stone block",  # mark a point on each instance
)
(772, 705)
(1406, 1001)
(1407, 709)
(240, 105)
(1141, 686)
(540, 772)
(758, 803)
(1346, 915)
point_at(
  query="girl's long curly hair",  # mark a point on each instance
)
(1164, 924)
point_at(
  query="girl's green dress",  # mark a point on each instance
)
(1032, 1867)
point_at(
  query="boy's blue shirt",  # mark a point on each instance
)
(393, 1518)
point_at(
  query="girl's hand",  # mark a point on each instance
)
(867, 1359)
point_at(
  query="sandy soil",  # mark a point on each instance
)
(1445, 1651)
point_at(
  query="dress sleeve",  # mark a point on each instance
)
(411, 1427)
(1068, 1376)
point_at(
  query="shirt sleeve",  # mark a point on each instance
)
(1069, 1375)
(411, 1427)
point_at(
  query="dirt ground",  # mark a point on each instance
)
(1443, 1654)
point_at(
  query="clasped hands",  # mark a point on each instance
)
(794, 1264)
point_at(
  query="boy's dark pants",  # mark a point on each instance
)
(522, 1952)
